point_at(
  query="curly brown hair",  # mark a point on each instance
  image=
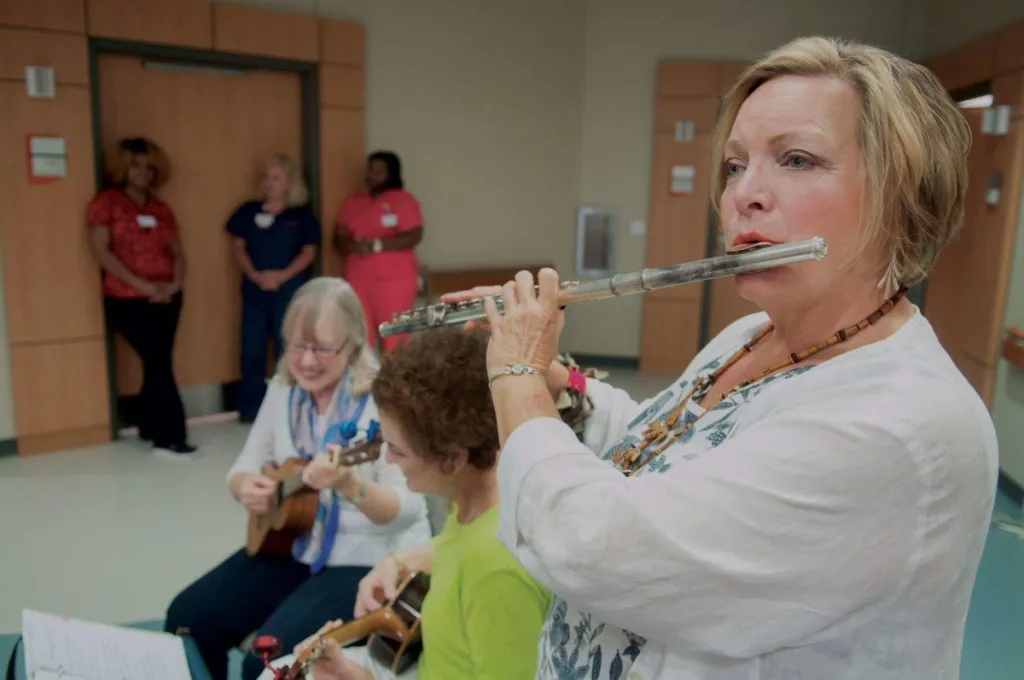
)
(435, 386)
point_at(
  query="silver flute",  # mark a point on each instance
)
(756, 258)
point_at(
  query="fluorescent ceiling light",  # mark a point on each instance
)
(982, 102)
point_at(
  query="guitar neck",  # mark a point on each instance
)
(356, 629)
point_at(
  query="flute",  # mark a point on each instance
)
(757, 258)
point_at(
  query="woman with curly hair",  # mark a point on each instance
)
(482, 617)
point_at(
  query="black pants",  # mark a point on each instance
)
(278, 597)
(262, 316)
(149, 328)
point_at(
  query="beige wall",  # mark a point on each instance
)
(951, 23)
(624, 42)
(6, 403)
(1008, 396)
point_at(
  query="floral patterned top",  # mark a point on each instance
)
(824, 522)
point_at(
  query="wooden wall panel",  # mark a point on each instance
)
(679, 223)
(190, 113)
(54, 15)
(728, 73)
(342, 161)
(63, 440)
(183, 23)
(67, 54)
(342, 42)
(61, 387)
(46, 263)
(341, 86)
(1010, 48)
(969, 65)
(687, 79)
(251, 30)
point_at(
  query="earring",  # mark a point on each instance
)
(890, 282)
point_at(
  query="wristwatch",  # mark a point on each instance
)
(378, 245)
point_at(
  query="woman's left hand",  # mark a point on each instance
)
(323, 473)
(526, 332)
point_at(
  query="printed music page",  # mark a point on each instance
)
(80, 650)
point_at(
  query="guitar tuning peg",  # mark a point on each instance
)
(348, 430)
(373, 430)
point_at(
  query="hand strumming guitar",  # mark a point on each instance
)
(332, 664)
(381, 582)
(254, 493)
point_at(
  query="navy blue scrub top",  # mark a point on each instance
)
(274, 246)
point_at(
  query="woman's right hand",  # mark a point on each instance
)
(146, 289)
(255, 492)
(382, 581)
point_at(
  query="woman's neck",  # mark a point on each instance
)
(800, 326)
(136, 194)
(274, 205)
(475, 493)
(322, 399)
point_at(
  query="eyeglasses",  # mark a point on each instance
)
(319, 351)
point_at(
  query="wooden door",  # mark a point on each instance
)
(687, 100)
(217, 127)
(967, 290)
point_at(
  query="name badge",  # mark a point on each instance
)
(389, 220)
(146, 221)
(264, 220)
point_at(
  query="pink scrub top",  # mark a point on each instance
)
(390, 213)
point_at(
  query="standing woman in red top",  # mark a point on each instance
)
(377, 233)
(134, 237)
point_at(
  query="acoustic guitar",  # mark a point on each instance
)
(395, 637)
(293, 506)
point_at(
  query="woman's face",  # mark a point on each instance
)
(794, 171)
(140, 173)
(376, 174)
(275, 183)
(421, 475)
(318, 363)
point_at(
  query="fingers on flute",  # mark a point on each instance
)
(509, 295)
(547, 280)
(524, 286)
(471, 294)
(493, 318)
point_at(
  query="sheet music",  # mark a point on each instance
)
(80, 650)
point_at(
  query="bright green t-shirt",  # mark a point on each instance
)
(483, 614)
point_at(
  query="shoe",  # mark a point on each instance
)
(175, 451)
(247, 419)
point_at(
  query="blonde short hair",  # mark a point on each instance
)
(123, 155)
(334, 299)
(913, 139)
(298, 193)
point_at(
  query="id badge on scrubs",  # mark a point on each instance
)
(264, 220)
(389, 220)
(146, 221)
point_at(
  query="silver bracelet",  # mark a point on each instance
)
(515, 369)
(360, 495)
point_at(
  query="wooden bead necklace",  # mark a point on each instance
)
(664, 431)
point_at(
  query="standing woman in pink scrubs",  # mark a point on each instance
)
(377, 233)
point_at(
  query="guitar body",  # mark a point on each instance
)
(292, 512)
(294, 505)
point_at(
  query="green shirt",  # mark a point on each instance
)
(483, 614)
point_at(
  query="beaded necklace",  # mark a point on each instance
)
(665, 431)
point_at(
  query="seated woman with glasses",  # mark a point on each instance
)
(319, 398)
(481, 618)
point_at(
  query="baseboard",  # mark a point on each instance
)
(1011, 488)
(8, 447)
(606, 361)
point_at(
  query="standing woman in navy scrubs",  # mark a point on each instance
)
(274, 241)
(134, 237)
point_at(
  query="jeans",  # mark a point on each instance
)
(277, 596)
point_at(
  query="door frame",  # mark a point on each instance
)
(309, 74)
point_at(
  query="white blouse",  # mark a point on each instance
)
(359, 541)
(823, 523)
